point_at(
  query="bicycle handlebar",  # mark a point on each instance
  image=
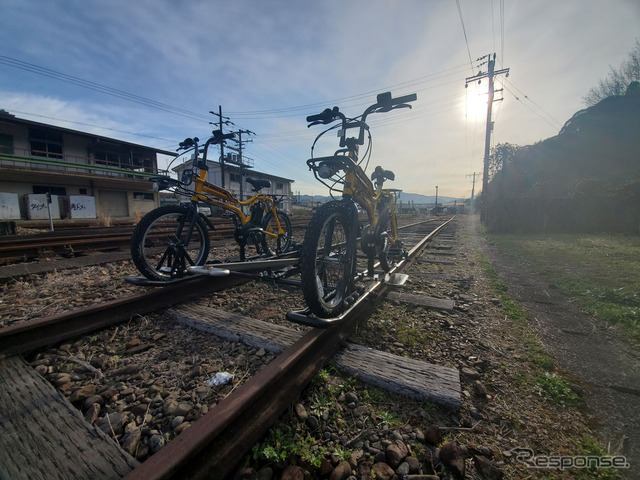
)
(384, 103)
(218, 137)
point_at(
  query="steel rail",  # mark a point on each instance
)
(216, 443)
(18, 246)
(46, 331)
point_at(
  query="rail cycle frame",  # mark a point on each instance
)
(172, 238)
(328, 254)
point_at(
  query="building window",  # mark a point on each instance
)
(142, 196)
(45, 143)
(40, 189)
(234, 177)
(113, 156)
(83, 191)
(6, 144)
(279, 186)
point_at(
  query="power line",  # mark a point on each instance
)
(502, 30)
(63, 77)
(464, 30)
(288, 112)
(549, 118)
(91, 125)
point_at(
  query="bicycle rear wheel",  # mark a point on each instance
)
(158, 243)
(281, 244)
(327, 262)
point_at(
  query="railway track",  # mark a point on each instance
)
(70, 242)
(218, 440)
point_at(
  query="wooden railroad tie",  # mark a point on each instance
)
(38, 423)
(445, 304)
(413, 378)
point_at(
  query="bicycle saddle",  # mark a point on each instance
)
(380, 175)
(259, 183)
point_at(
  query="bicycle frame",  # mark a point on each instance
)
(224, 199)
(219, 197)
(359, 188)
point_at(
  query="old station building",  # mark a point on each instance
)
(72, 174)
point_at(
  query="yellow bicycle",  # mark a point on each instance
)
(328, 254)
(172, 238)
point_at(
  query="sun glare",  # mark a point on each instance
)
(476, 102)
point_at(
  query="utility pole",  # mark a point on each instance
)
(436, 209)
(473, 189)
(221, 120)
(487, 140)
(240, 162)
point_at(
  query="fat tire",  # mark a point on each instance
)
(285, 223)
(321, 304)
(140, 233)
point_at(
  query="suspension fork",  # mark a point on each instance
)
(193, 210)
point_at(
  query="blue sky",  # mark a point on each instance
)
(271, 63)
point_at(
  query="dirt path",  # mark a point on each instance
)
(585, 350)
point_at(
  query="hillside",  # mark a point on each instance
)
(585, 178)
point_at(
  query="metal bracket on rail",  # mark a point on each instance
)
(305, 317)
(286, 263)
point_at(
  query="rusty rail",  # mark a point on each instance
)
(219, 440)
(17, 247)
(46, 331)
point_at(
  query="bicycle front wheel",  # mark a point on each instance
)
(158, 243)
(327, 262)
(282, 243)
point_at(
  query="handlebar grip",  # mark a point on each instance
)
(406, 99)
(219, 137)
(328, 115)
(188, 142)
(386, 102)
(319, 116)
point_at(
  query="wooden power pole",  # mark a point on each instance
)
(490, 74)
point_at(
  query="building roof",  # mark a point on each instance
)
(6, 116)
(230, 167)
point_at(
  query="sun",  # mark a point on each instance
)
(475, 106)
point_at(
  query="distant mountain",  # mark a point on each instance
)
(426, 199)
(405, 198)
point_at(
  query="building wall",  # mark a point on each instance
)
(132, 195)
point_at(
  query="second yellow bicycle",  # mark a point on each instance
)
(172, 238)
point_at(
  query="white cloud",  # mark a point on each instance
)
(250, 55)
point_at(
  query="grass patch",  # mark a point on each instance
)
(601, 273)
(511, 308)
(556, 389)
(280, 443)
(590, 447)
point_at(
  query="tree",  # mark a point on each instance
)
(618, 80)
(502, 154)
